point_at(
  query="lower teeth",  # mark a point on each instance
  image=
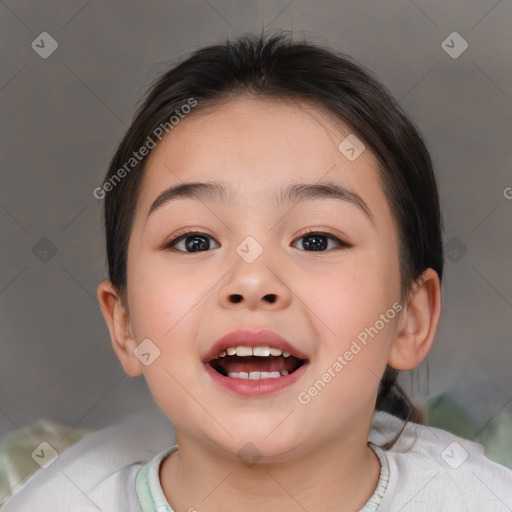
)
(257, 375)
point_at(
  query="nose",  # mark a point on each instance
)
(255, 286)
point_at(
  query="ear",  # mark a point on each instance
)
(417, 323)
(119, 325)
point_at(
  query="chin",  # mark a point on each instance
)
(258, 446)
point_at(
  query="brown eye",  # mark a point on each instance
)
(319, 241)
(191, 242)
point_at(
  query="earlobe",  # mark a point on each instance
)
(418, 323)
(119, 326)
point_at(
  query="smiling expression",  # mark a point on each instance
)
(281, 232)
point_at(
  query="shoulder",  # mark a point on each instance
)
(432, 469)
(98, 471)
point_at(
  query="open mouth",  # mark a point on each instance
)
(255, 363)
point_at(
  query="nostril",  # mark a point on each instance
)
(271, 297)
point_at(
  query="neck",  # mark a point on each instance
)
(338, 475)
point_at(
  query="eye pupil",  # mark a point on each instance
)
(319, 242)
(190, 243)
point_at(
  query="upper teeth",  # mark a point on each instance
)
(242, 351)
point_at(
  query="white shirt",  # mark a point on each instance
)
(427, 469)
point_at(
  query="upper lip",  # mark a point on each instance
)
(252, 338)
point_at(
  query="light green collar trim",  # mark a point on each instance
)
(147, 485)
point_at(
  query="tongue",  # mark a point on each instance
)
(257, 364)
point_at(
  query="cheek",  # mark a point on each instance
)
(355, 316)
(357, 324)
(164, 300)
(349, 297)
(166, 309)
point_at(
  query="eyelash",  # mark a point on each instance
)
(183, 235)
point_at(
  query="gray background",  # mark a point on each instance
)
(63, 116)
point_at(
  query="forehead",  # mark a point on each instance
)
(260, 145)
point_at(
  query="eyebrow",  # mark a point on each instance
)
(223, 194)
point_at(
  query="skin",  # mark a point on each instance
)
(313, 456)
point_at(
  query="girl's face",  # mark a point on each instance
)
(255, 266)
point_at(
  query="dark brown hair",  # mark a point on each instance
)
(276, 67)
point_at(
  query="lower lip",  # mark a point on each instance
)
(248, 387)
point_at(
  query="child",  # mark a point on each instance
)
(275, 255)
